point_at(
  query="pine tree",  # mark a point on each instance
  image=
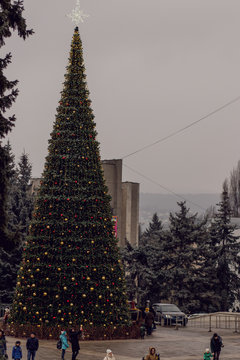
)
(71, 271)
(143, 264)
(226, 249)
(182, 255)
(154, 227)
(20, 206)
(8, 270)
(10, 19)
(19, 210)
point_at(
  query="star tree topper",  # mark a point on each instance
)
(77, 14)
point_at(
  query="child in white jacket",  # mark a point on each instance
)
(109, 355)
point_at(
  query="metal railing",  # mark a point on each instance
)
(218, 320)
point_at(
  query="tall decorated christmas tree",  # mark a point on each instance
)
(71, 271)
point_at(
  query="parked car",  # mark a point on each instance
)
(169, 314)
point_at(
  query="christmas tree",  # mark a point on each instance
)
(71, 271)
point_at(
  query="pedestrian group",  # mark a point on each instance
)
(32, 345)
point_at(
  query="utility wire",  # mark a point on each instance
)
(164, 187)
(184, 128)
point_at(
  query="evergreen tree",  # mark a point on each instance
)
(154, 227)
(10, 19)
(20, 200)
(226, 249)
(71, 271)
(19, 210)
(143, 264)
(183, 255)
(7, 263)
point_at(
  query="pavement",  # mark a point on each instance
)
(183, 344)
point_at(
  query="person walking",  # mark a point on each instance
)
(75, 342)
(17, 351)
(109, 355)
(32, 346)
(3, 347)
(149, 318)
(65, 345)
(216, 345)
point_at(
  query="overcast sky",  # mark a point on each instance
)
(153, 66)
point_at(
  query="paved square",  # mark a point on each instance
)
(185, 344)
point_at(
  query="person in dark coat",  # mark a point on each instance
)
(149, 318)
(74, 340)
(216, 345)
(3, 347)
(32, 346)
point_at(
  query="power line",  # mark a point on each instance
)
(164, 187)
(184, 128)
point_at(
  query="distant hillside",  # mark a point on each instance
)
(164, 204)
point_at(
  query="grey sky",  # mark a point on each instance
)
(153, 66)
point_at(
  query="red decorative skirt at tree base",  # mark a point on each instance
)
(89, 332)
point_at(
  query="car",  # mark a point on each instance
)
(169, 314)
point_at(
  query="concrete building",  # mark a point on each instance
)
(124, 202)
